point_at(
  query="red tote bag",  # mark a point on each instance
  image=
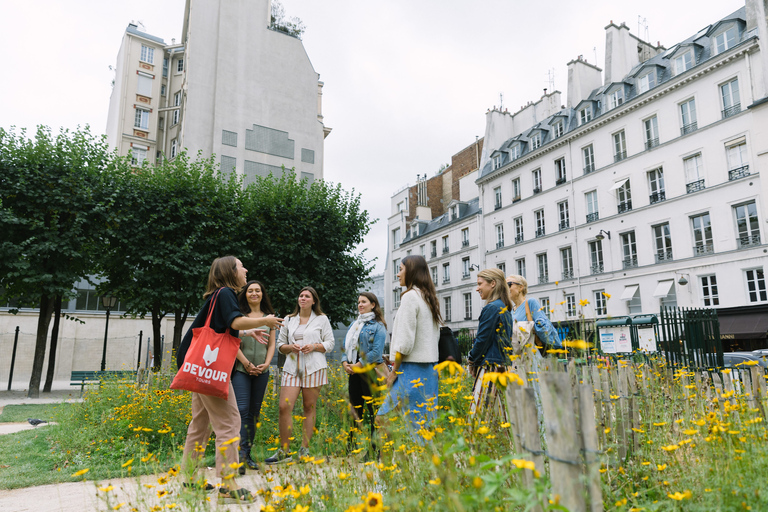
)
(209, 360)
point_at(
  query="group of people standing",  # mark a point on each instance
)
(305, 337)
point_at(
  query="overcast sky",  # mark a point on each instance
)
(407, 83)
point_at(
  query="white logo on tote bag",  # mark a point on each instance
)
(210, 356)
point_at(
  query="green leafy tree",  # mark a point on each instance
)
(51, 220)
(167, 224)
(305, 235)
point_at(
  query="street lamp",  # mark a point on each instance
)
(601, 236)
(108, 302)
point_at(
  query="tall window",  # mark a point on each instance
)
(465, 237)
(624, 196)
(646, 82)
(177, 99)
(520, 264)
(503, 267)
(651, 132)
(516, 191)
(147, 54)
(688, 116)
(589, 159)
(619, 146)
(395, 268)
(174, 148)
(729, 92)
(165, 67)
(447, 309)
(514, 152)
(543, 264)
(557, 130)
(396, 238)
(519, 230)
(180, 66)
(629, 249)
(635, 304)
(499, 236)
(467, 306)
(592, 211)
(702, 235)
(663, 240)
(138, 155)
(570, 305)
(446, 247)
(724, 40)
(144, 85)
(540, 228)
(683, 62)
(601, 308)
(464, 268)
(496, 162)
(736, 151)
(544, 301)
(141, 119)
(446, 273)
(756, 285)
(560, 171)
(423, 250)
(433, 249)
(433, 272)
(536, 176)
(566, 260)
(175, 117)
(709, 290)
(596, 257)
(396, 297)
(656, 185)
(694, 180)
(497, 197)
(564, 216)
(747, 224)
(615, 98)
(585, 115)
(535, 141)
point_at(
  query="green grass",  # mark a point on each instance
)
(19, 413)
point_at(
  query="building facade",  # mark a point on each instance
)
(236, 87)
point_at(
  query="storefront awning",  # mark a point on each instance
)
(662, 289)
(629, 292)
(746, 326)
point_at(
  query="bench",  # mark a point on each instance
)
(80, 377)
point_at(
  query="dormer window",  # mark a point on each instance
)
(616, 98)
(535, 141)
(683, 62)
(724, 40)
(646, 82)
(496, 162)
(558, 129)
(585, 115)
(514, 152)
(454, 213)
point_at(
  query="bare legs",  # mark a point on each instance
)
(288, 397)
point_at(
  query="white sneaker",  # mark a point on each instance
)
(278, 457)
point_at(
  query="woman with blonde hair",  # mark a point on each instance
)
(490, 350)
(529, 310)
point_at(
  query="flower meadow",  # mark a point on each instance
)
(678, 440)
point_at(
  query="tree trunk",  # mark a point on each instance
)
(43, 321)
(180, 317)
(54, 343)
(157, 344)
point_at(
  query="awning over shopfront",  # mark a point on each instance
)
(745, 326)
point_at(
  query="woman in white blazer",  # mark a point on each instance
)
(305, 338)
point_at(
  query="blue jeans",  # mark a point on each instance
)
(249, 391)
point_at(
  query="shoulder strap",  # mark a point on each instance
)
(528, 311)
(210, 309)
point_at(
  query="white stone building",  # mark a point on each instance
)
(236, 87)
(646, 187)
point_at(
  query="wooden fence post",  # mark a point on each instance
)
(589, 444)
(562, 440)
(528, 438)
(758, 387)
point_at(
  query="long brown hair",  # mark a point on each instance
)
(315, 307)
(417, 276)
(377, 313)
(501, 290)
(245, 307)
(223, 273)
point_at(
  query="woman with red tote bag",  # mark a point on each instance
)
(218, 323)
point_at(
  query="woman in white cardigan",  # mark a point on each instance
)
(305, 338)
(415, 334)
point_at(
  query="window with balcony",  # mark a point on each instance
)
(724, 40)
(651, 126)
(520, 264)
(683, 63)
(629, 250)
(541, 261)
(729, 92)
(396, 238)
(585, 115)
(688, 117)
(540, 227)
(516, 190)
(545, 306)
(646, 82)
(596, 257)
(497, 198)
(756, 285)
(570, 305)
(623, 196)
(433, 273)
(536, 178)
(519, 230)
(563, 215)
(433, 249)
(619, 146)
(499, 236)
(566, 262)
(736, 151)
(535, 142)
(141, 119)
(558, 129)
(600, 303)
(694, 178)
(467, 306)
(560, 171)
(588, 155)
(446, 273)
(747, 225)
(656, 185)
(663, 241)
(702, 235)
(147, 54)
(465, 268)
(709, 290)
(446, 309)
(465, 237)
(592, 211)
(446, 247)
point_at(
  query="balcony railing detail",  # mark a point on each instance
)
(748, 241)
(497, 206)
(465, 243)
(702, 249)
(536, 190)
(434, 253)
(597, 268)
(739, 172)
(618, 157)
(657, 197)
(446, 250)
(567, 274)
(465, 276)
(630, 262)
(564, 224)
(519, 238)
(540, 232)
(651, 143)
(589, 168)
(560, 181)
(592, 217)
(625, 206)
(689, 128)
(694, 186)
(543, 278)
(446, 280)
(663, 255)
(731, 111)
(516, 199)
(499, 244)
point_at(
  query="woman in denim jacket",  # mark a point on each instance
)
(364, 345)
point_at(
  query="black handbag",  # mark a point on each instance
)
(448, 346)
